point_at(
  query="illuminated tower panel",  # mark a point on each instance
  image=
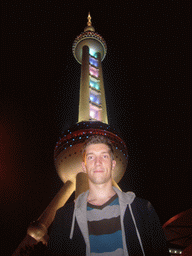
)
(95, 106)
(93, 61)
(93, 71)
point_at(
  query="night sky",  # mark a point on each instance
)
(147, 82)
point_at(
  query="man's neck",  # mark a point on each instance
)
(100, 193)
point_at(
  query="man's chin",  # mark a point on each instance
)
(99, 181)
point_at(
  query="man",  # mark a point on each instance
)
(104, 220)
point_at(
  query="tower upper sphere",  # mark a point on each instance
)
(93, 40)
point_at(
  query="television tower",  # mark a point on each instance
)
(89, 49)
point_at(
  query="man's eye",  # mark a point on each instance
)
(105, 156)
(90, 157)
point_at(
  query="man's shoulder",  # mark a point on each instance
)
(143, 206)
(142, 203)
(130, 198)
(63, 216)
(66, 209)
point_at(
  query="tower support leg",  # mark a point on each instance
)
(81, 183)
(37, 231)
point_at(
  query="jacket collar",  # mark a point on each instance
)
(124, 198)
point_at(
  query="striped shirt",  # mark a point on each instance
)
(105, 228)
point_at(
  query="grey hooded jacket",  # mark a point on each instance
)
(141, 230)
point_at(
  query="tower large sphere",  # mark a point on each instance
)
(68, 151)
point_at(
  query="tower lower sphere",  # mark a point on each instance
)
(68, 151)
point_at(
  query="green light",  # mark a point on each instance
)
(92, 52)
(97, 87)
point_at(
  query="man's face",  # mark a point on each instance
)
(98, 163)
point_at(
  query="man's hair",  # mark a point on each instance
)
(97, 139)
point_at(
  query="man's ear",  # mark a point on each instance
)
(83, 166)
(113, 164)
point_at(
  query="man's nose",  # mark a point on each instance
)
(98, 160)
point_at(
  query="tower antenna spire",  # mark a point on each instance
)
(89, 23)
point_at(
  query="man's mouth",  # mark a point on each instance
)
(96, 171)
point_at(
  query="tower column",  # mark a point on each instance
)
(103, 101)
(39, 228)
(81, 183)
(37, 231)
(84, 86)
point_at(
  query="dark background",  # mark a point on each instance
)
(147, 83)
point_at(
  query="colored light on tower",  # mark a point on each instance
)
(92, 113)
(97, 86)
(93, 62)
(91, 84)
(91, 97)
(92, 52)
(94, 84)
(93, 71)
